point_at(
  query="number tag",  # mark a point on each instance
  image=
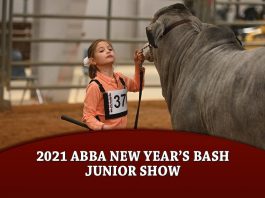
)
(116, 103)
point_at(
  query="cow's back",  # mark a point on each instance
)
(223, 94)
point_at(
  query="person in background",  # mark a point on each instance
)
(105, 103)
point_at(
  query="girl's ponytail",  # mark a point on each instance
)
(92, 71)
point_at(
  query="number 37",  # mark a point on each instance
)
(120, 100)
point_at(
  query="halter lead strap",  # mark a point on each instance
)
(139, 100)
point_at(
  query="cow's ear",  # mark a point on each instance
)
(154, 32)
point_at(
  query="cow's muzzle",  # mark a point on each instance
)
(150, 36)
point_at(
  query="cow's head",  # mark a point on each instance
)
(164, 20)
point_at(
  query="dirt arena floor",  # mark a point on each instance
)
(29, 122)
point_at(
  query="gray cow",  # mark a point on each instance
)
(210, 83)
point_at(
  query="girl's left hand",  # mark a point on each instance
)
(138, 57)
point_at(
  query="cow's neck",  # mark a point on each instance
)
(172, 52)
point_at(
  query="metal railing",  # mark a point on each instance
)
(6, 42)
(6, 61)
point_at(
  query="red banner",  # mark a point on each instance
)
(146, 161)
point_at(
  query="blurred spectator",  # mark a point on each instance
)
(17, 71)
(251, 14)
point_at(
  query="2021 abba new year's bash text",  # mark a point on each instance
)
(132, 160)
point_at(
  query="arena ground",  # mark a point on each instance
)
(29, 122)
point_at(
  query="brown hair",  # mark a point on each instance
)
(90, 54)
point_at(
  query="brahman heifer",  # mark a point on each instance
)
(210, 83)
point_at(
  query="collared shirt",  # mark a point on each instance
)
(94, 103)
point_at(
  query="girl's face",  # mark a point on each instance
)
(104, 54)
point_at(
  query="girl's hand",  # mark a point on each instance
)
(138, 57)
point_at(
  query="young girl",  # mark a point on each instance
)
(105, 104)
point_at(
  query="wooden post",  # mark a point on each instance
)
(4, 105)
